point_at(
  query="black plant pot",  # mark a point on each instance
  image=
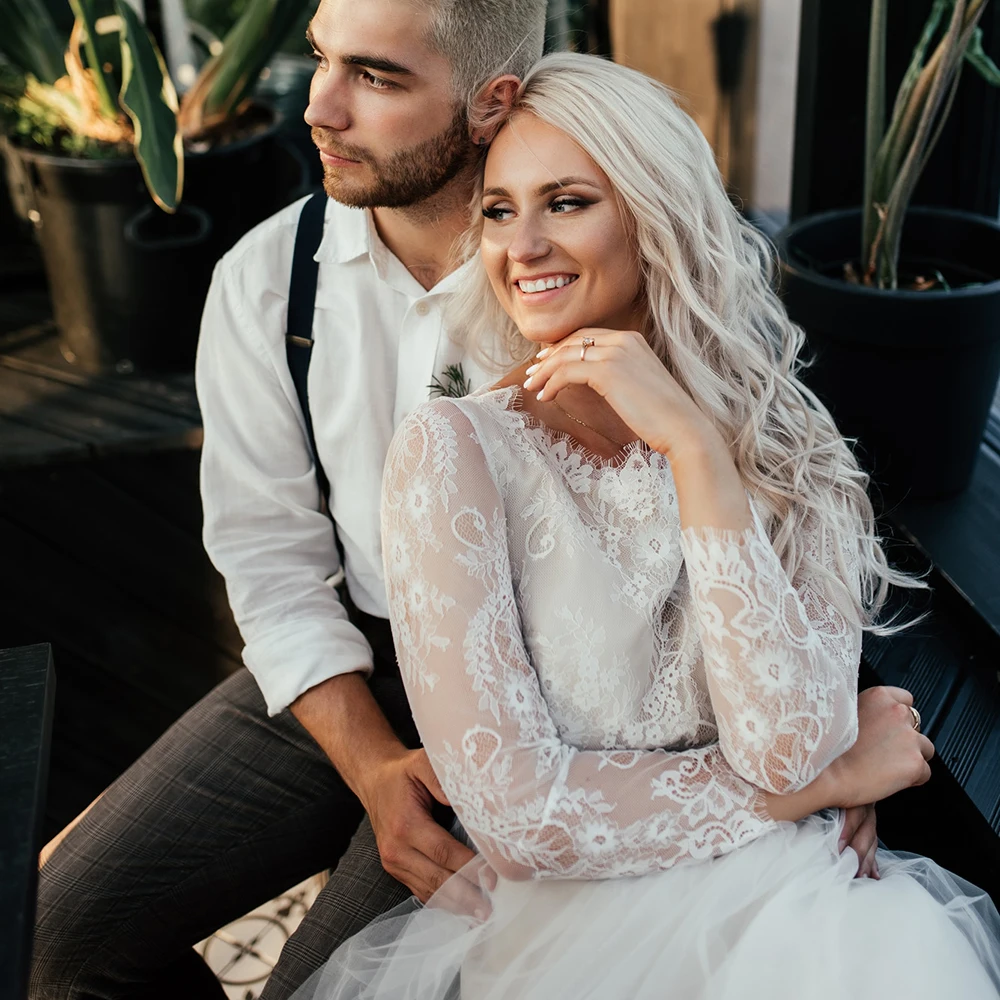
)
(910, 374)
(128, 281)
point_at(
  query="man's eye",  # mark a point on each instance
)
(375, 81)
(496, 213)
(316, 57)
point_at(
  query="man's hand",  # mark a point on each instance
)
(396, 786)
(415, 849)
(859, 833)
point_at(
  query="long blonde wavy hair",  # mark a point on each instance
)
(712, 316)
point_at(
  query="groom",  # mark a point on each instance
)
(269, 779)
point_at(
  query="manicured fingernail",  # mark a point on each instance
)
(541, 395)
(543, 352)
(533, 368)
(841, 844)
(527, 383)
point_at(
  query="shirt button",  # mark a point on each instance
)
(423, 308)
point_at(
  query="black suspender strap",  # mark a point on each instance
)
(298, 349)
(301, 305)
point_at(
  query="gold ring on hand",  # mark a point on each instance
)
(916, 718)
(587, 342)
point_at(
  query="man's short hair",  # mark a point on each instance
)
(484, 39)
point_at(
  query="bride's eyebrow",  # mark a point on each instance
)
(545, 188)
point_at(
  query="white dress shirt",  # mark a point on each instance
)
(379, 341)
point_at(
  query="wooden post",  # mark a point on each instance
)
(674, 42)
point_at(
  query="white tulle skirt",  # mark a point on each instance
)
(782, 917)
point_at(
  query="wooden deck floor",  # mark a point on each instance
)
(100, 535)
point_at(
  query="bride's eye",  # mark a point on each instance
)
(496, 213)
(568, 204)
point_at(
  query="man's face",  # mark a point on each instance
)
(380, 106)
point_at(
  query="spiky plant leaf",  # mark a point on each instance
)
(30, 40)
(978, 59)
(226, 80)
(88, 12)
(149, 98)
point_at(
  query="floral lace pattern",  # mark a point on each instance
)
(600, 693)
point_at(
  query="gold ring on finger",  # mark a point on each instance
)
(587, 342)
(916, 718)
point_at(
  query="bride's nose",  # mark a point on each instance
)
(528, 243)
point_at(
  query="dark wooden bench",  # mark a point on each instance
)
(951, 663)
(27, 691)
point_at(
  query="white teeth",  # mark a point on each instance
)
(544, 284)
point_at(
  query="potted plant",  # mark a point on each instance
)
(138, 169)
(901, 304)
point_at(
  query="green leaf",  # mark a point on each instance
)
(151, 102)
(874, 119)
(977, 58)
(88, 12)
(30, 40)
(227, 79)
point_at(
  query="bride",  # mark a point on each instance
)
(628, 587)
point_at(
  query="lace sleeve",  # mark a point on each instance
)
(781, 656)
(532, 804)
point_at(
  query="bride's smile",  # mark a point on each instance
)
(554, 243)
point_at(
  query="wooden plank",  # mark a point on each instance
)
(99, 618)
(164, 566)
(959, 535)
(28, 684)
(24, 445)
(36, 352)
(103, 424)
(23, 306)
(166, 483)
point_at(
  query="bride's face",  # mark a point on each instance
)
(551, 216)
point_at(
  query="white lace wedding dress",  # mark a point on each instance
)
(602, 696)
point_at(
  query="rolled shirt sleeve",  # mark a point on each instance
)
(263, 529)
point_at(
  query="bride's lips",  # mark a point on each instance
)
(540, 298)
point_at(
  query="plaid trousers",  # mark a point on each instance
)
(228, 809)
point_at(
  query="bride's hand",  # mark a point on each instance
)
(888, 756)
(624, 369)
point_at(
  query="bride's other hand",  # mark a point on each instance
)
(860, 835)
(624, 369)
(888, 756)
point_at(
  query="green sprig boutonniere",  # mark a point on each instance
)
(451, 382)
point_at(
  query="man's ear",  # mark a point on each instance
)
(491, 106)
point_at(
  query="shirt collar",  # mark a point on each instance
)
(350, 233)
(346, 234)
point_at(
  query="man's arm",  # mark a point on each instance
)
(265, 533)
(263, 527)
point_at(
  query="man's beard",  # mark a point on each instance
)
(406, 177)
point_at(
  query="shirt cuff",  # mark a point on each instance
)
(288, 660)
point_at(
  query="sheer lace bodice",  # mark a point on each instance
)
(600, 692)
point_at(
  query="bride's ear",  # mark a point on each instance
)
(491, 108)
